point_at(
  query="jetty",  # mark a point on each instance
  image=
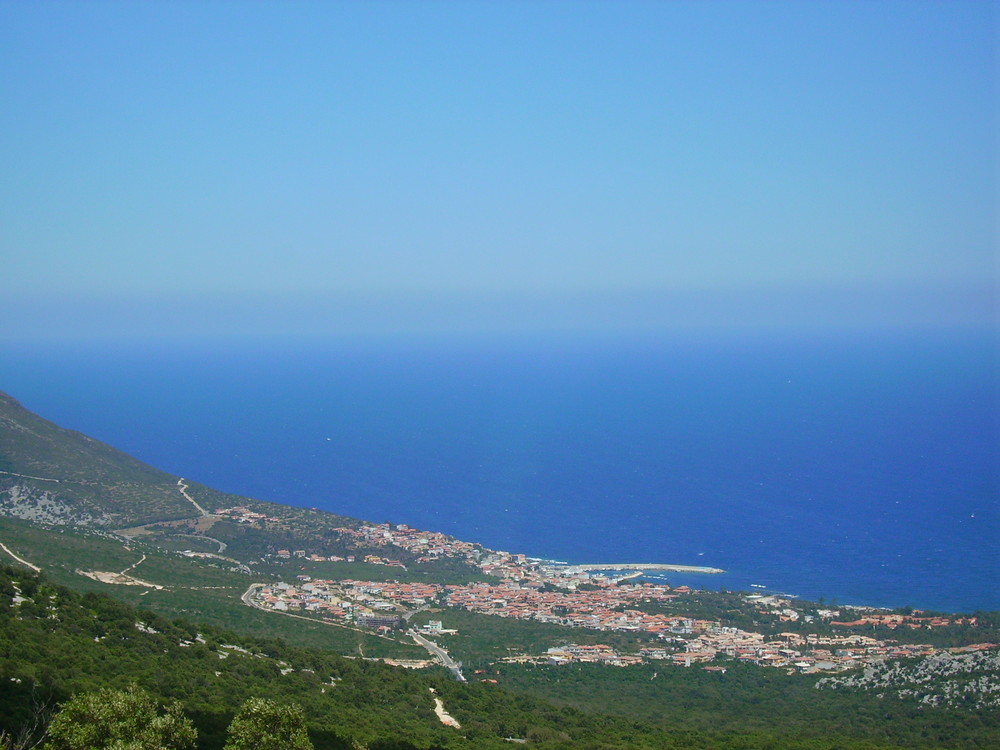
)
(638, 567)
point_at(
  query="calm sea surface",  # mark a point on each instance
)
(861, 470)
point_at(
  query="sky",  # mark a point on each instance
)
(246, 168)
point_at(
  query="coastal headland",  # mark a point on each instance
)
(639, 566)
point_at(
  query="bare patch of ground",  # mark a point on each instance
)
(201, 524)
(119, 579)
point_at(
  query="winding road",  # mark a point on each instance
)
(439, 653)
(183, 487)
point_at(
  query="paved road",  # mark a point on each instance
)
(247, 597)
(440, 654)
(222, 545)
(183, 487)
(412, 612)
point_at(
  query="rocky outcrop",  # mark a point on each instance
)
(43, 506)
(957, 680)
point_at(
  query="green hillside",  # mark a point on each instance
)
(206, 590)
(57, 475)
(56, 643)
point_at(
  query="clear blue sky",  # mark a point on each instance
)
(238, 166)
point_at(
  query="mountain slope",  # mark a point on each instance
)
(56, 475)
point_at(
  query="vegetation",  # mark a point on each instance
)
(210, 592)
(97, 484)
(262, 724)
(120, 720)
(56, 644)
(482, 639)
(53, 475)
(751, 700)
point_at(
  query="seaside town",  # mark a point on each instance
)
(530, 589)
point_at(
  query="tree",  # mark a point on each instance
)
(120, 720)
(263, 724)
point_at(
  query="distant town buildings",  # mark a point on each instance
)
(533, 590)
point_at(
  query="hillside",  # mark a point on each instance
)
(52, 475)
(55, 643)
(55, 475)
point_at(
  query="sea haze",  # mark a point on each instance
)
(859, 469)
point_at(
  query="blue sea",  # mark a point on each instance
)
(863, 469)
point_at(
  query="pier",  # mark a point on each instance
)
(638, 567)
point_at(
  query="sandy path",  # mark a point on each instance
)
(28, 476)
(19, 559)
(446, 718)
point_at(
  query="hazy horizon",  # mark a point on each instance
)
(242, 169)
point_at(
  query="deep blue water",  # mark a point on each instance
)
(863, 469)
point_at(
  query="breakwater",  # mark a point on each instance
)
(639, 567)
